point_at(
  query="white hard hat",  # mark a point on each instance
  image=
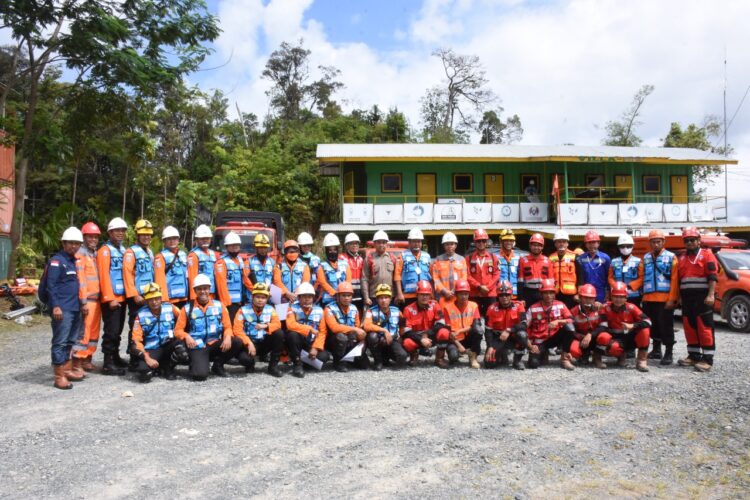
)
(304, 239)
(380, 236)
(350, 238)
(625, 239)
(201, 280)
(203, 231)
(72, 234)
(305, 289)
(415, 234)
(449, 238)
(232, 238)
(117, 223)
(331, 240)
(561, 234)
(170, 232)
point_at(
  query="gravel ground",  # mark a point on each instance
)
(398, 433)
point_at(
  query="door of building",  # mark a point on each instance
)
(426, 188)
(494, 188)
(679, 187)
(624, 188)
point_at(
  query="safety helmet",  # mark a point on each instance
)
(461, 286)
(170, 232)
(424, 286)
(143, 226)
(304, 239)
(587, 290)
(480, 234)
(561, 234)
(90, 228)
(232, 238)
(548, 285)
(261, 241)
(350, 238)
(203, 231)
(449, 238)
(305, 289)
(505, 287)
(151, 291)
(72, 234)
(117, 223)
(380, 236)
(591, 236)
(507, 234)
(260, 288)
(619, 290)
(345, 287)
(625, 239)
(536, 238)
(415, 234)
(383, 290)
(575, 349)
(201, 280)
(690, 232)
(290, 244)
(331, 240)
(655, 234)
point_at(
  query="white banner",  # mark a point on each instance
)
(631, 213)
(389, 214)
(477, 212)
(447, 213)
(505, 212)
(700, 212)
(603, 214)
(654, 211)
(576, 214)
(357, 213)
(418, 213)
(675, 212)
(534, 212)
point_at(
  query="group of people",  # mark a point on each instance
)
(368, 309)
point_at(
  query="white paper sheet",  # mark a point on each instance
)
(354, 353)
(315, 363)
(281, 310)
(275, 295)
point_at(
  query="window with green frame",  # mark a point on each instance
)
(390, 183)
(463, 183)
(652, 184)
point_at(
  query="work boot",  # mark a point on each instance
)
(168, 373)
(146, 376)
(61, 381)
(377, 358)
(502, 358)
(273, 367)
(298, 371)
(622, 361)
(598, 360)
(688, 361)
(78, 368)
(425, 351)
(585, 360)
(218, 370)
(414, 358)
(544, 358)
(565, 358)
(655, 351)
(340, 366)
(533, 362)
(702, 366)
(119, 362)
(666, 360)
(110, 367)
(440, 360)
(473, 360)
(250, 368)
(87, 365)
(70, 373)
(641, 363)
(518, 362)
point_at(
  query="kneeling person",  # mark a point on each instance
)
(382, 324)
(465, 324)
(423, 321)
(586, 319)
(305, 329)
(342, 319)
(258, 327)
(550, 324)
(506, 329)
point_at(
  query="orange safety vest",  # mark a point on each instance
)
(447, 270)
(564, 272)
(88, 273)
(458, 319)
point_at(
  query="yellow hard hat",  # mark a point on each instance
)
(383, 290)
(151, 291)
(261, 289)
(507, 234)
(261, 241)
(144, 227)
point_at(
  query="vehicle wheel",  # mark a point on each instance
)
(738, 313)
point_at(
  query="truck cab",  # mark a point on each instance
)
(247, 224)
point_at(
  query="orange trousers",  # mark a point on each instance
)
(92, 327)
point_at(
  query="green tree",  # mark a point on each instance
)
(495, 131)
(699, 137)
(622, 132)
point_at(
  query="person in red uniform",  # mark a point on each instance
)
(623, 323)
(484, 272)
(586, 318)
(506, 328)
(423, 323)
(697, 271)
(532, 269)
(465, 324)
(549, 324)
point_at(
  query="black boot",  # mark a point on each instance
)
(145, 376)
(168, 372)
(502, 357)
(273, 366)
(666, 360)
(110, 367)
(655, 351)
(250, 366)
(518, 362)
(377, 358)
(119, 362)
(340, 366)
(298, 371)
(533, 361)
(218, 369)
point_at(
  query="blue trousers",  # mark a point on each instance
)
(65, 334)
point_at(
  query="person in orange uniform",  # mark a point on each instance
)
(204, 326)
(137, 272)
(333, 270)
(89, 277)
(290, 272)
(259, 328)
(342, 324)
(549, 324)
(506, 329)
(383, 324)
(661, 287)
(170, 269)
(305, 330)
(563, 262)
(112, 286)
(201, 259)
(697, 270)
(484, 272)
(355, 263)
(231, 275)
(586, 320)
(423, 321)
(465, 324)
(447, 269)
(532, 269)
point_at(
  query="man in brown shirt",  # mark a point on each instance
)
(379, 268)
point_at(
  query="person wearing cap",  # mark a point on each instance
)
(412, 266)
(532, 270)
(258, 327)
(66, 301)
(484, 272)
(423, 322)
(153, 336)
(305, 241)
(290, 272)
(661, 290)
(549, 324)
(697, 271)
(506, 329)
(586, 320)
(356, 264)
(84, 351)
(508, 260)
(466, 328)
(112, 286)
(563, 263)
(170, 269)
(333, 271)
(201, 259)
(592, 267)
(305, 330)
(231, 275)
(204, 326)
(342, 324)
(383, 324)
(379, 268)
(447, 269)
(137, 272)
(626, 269)
(261, 264)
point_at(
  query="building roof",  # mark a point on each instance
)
(512, 153)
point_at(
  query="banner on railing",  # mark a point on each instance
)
(389, 214)
(632, 213)
(675, 212)
(603, 214)
(575, 214)
(357, 213)
(654, 211)
(447, 213)
(505, 212)
(418, 213)
(700, 212)
(477, 212)
(534, 212)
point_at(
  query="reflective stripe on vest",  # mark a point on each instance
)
(115, 269)
(314, 263)
(350, 319)
(144, 267)
(234, 278)
(156, 331)
(90, 272)
(262, 271)
(206, 327)
(564, 271)
(626, 272)
(206, 263)
(509, 271)
(177, 279)
(313, 319)
(414, 270)
(292, 278)
(390, 323)
(657, 274)
(252, 319)
(334, 277)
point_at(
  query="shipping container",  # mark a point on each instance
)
(7, 163)
(7, 199)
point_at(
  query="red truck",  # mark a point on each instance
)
(247, 224)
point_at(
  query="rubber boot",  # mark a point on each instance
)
(110, 367)
(502, 357)
(641, 363)
(414, 358)
(61, 381)
(119, 362)
(666, 360)
(70, 373)
(440, 360)
(518, 362)
(298, 371)
(87, 365)
(273, 366)
(597, 356)
(473, 360)
(655, 351)
(565, 358)
(533, 361)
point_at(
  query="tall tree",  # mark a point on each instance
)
(494, 130)
(622, 132)
(699, 137)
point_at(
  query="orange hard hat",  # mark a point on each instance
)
(345, 287)
(587, 290)
(290, 244)
(536, 238)
(591, 236)
(548, 285)
(619, 290)
(655, 234)
(424, 286)
(90, 228)
(410, 345)
(480, 234)
(461, 286)
(575, 349)
(505, 288)
(688, 232)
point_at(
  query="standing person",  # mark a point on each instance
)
(586, 319)
(697, 269)
(342, 320)
(333, 271)
(261, 264)
(201, 259)
(290, 272)
(170, 269)
(661, 287)
(355, 263)
(153, 336)
(383, 324)
(532, 269)
(508, 259)
(305, 241)
(89, 274)
(484, 272)
(412, 266)
(550, 324)
(258, 327)
(64, 297)
(626, 269)
(423, 321)
(137, 272)
(305, 330)
(465, 324)
(563, 263)
(379, 269)
(231, 275)
(447, 269)
(112, 286)
(593, 266)
(506, 329)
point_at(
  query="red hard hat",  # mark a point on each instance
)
(690, 232)
(591, 236)
(575, 349)
(616, 349)
(90, 228)
(620, 290)
(548, 285)
(462, 286)
(410, 345)
(603, 339)
(536, 238)
(655, 234)
(505, 288)
(481, 234)
(424, 286)
(443, 335)
(587, 291)
(345, 287)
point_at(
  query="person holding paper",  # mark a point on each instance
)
(305, 330)
(258, 327)
(291, 272)
(382, 324)
(341, 319)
